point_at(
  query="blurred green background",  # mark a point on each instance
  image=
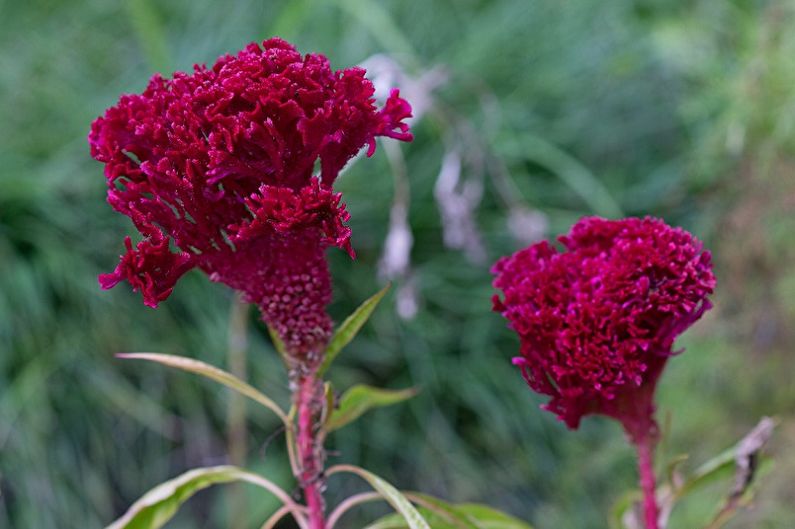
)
(683, 109)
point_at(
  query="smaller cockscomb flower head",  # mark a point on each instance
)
(216, 169)
(597, 321)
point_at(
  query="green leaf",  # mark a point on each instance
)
(394, 497)
(277, 341)
(150, 32)
(158, 506)
(206, 370)
(486, 517)
(717, 468)
(350, 327)
(360, 398)
(395, 521)
(442, 515)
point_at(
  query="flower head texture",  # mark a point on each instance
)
(217, 170)
(597, 321)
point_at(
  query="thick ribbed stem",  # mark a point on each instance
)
(645, 448)
(309, 405)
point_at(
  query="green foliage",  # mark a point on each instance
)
(538, 151)
(395, 498)
(158, 506)
(359, 399)
(443, 515)
(213, 373)
(737, 469)
(350, 327)
(674, 108)
(277, 342)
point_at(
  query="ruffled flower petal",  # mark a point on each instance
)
(220, 163)
(151, 268)
(597, 321)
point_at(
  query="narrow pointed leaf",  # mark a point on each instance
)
(155, 508)
(277, 341)
(329, 402)
(213, 373)
(350, 327)
(394, 497)
(359, 399)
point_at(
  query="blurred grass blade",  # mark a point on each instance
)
(148, 411)
(570, 170)
(150, 32)
(350, 327)
(382, 27)
(155, 508)
(622, 508)
(393, 496)
(291, 18)
(237, 432)
(206, 370)
(360, 398)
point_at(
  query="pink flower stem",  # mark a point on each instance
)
(309, 404)
(645, 449)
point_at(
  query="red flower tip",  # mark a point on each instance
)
(597, 321)
(394, 112)
(282, 210)
(150, 268)
(219, 163)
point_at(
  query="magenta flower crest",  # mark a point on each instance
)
(597, 321)
(216, 169)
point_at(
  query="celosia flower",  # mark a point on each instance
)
(597, 322)
(216, 169)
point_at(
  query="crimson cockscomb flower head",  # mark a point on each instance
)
(217, 170)
(597, 321)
